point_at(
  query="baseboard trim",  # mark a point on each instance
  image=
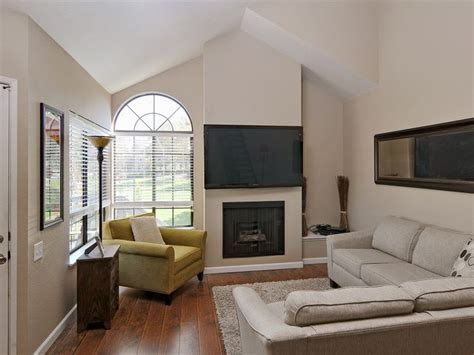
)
(43, 348)
(254, 267)
(321, 260)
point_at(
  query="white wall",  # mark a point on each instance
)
(426, 77)
(247, 82)
(185, 83)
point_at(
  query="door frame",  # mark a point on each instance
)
(13, 204)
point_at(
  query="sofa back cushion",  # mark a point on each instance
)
(397, 236)
(121, 228)
(303, 308)
(439, 294)
(437, 249)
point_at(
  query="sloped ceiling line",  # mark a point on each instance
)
(347, 83)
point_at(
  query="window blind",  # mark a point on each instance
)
(154, 171)
(84, 178)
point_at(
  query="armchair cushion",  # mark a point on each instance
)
(184, 256)
(142, 248)
(121, 228)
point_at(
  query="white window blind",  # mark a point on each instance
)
(84, 180)
(153, 160)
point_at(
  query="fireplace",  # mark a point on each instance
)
(253, 229)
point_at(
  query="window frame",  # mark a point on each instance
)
(153, 205)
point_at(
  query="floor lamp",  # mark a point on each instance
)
(100, 142)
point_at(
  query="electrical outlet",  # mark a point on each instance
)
(38, 251)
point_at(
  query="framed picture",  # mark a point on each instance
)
(52, 166)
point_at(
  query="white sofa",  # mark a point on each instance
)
(406, 256)
(398, 250)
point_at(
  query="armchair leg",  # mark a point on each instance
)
(168, 299)
(200, 276)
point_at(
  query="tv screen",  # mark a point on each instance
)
(253, 156)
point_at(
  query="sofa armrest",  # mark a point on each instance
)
(142, 248)
(188, 237)
(355, 240)
(264, 332)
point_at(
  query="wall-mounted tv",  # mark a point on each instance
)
(253, 156)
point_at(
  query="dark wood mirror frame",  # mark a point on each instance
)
(436, 184)
(59, 138)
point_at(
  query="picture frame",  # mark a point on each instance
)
(51, 166)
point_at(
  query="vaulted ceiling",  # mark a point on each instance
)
(122, 43)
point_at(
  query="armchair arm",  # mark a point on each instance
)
(188, 237)
(142, 248)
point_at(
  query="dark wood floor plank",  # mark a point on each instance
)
(145, 325)
(171, 329)
(151, 339)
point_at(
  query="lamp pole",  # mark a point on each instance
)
(100, 142)
(100, 159)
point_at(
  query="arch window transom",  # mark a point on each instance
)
(153, 113)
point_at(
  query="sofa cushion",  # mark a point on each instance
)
(353, 259)
(464, 264)
(184, 256)
(145, 230)
(303, 308)
(438, 294)
(393, 274)
(437, 249)
(121, 228)
(397, 236)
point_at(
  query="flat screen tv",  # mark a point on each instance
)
(253, 156)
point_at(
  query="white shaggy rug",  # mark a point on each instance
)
(269, 291)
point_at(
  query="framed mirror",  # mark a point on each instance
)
(437, 157)
(52, 161)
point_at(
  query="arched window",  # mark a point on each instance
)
(153, 160)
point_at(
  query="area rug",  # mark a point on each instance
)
(269, 291)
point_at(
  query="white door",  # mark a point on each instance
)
(4, 206)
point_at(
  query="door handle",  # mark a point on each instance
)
(3, 260)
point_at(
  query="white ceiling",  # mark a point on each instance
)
(122, 43)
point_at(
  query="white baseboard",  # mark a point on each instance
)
(322, 260)
(43, 348)
(254, 267)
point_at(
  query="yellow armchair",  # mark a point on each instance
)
(160, 268)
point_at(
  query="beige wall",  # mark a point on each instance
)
(247, 82)
(345, 30)
(14, 64)
(322, 124)
(56, 79)
(185, 83)
(323, 156)
(426, 77)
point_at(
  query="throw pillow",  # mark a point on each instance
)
(464, 265)
(121, 229)
(145, 230)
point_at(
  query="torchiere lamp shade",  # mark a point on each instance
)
(100, 141)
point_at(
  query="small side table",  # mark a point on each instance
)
(97, 287)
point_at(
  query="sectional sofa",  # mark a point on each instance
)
(397, 297)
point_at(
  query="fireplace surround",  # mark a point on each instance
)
(253, 229)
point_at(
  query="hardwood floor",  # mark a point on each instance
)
(145, 325)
